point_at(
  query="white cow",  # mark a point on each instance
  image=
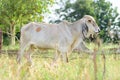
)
(62, 37)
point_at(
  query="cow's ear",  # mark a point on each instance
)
(89, 20)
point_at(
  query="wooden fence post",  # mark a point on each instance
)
(95, 64)
(104, 65)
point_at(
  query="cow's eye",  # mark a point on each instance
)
(89, 20)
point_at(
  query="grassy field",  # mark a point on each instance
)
(79, 67)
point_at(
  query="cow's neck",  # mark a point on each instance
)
(76, 28)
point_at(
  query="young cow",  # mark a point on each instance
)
(62, 37)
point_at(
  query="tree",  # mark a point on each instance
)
(101, 10)
(106, 18)
(74, 11)
(14, 13)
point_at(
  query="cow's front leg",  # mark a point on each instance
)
(64, 57)
(57, 56)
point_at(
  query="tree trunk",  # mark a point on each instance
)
(12, 33)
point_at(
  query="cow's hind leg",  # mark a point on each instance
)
(28, 56)
(21, 52)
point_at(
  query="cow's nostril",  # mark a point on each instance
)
(98, 30)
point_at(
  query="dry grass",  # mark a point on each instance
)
(80, 67)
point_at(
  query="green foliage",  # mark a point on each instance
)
(15, 13)
(101, 10)
(106, 17)
(76, 10)
(22, 10)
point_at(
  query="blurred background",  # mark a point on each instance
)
(16, 13)
(103, 64)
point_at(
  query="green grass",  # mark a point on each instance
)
(80, 67)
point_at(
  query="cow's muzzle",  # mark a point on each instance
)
(97, 30)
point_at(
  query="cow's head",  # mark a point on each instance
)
(90, 25)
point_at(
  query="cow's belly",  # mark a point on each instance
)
(43, 43)
(52, 41)
(50, 44)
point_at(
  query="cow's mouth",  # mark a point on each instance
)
(93, 36)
